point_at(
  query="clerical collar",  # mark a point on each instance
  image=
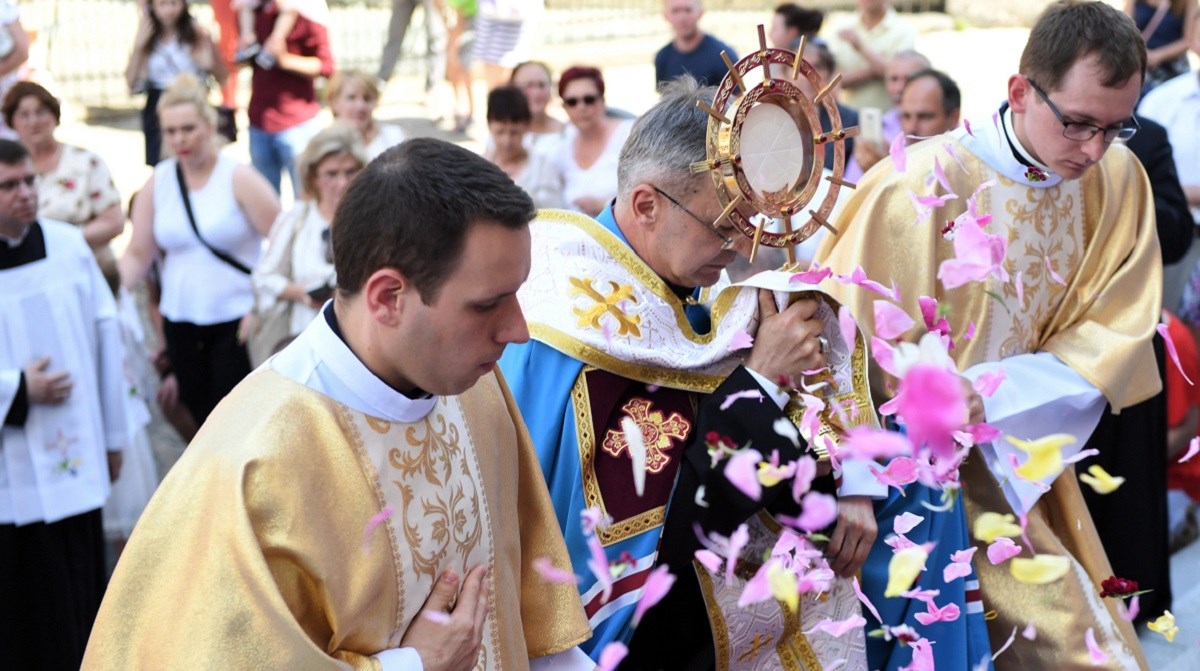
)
(998, 146)
(331, 319)
(13, 243)
(1035, 170)
(30, 247)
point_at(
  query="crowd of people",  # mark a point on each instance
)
(416, 394)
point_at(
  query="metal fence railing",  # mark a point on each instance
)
(84, 44)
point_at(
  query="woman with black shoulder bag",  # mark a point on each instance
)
(208, 215)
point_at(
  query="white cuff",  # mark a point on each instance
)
(778, 395)
(400, 659)
(859, 480)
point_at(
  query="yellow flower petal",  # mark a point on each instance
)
(904, 568)
(990, 526)
(1100, 480)
(768, 475)
(1040, 570)
(783, 586)
(1045, 455)
(1165, 625)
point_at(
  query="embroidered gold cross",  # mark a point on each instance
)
(758, 642)
(657, 431)
(610, 303)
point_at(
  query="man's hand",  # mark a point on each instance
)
(853, 536)
(115, 459)
(850, 37)
(46, 388)
(452, 645)
(786, 343)
(975, 412)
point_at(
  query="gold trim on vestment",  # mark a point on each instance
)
(577, 349)
(619, 530)
(649, 279)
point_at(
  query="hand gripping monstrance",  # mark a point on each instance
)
(766, 147)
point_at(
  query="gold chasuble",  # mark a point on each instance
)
(1098, 234)
(255, 552)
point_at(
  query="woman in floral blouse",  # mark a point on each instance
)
(74, 185)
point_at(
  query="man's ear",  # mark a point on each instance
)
(954, 119)
(646, 207)
(1018, 90)
(386, 293)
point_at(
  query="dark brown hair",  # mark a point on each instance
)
(186, 28)
(581, 72)
(1070, 30)
(22, 90)
(411, 210)
(508, 104)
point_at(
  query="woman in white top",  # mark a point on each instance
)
(206, 286)
(508, 124)
(588, 155)
(74, 184)
(535, 81)
(14, 53)
(353, 96)
(295, 276)
(169, 43)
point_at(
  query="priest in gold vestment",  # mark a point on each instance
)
(329, 510)
(1071, 327)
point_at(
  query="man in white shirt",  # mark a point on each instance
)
(862, 48)
(62, 389)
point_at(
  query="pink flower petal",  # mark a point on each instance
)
(848, 328)
(709, 559)
(813, 276)
(1193, 448)
(1002, 550)
(737, 540)
(900, 472)
(1007, 644)
(897, 151)
(598, 563)
(922, 656)
(947, 613)
(820, 510)
(1097, 655)
(985, 385)
(839, 628)
(750, 394)
(977, 255)
(1030, 632)
(742, 471)
(906, 522)
(859, 278)
(940, 174)
(372, 524)
(611, 656)
(1170, 343)
(806, 470)
(967, 126)
(549, 572)
(635, 440)
(741, 340)
(1135, 607)
(890, 321)
(1053, 275)
(658, 583)
(1020, 285)
(970, 331)
(884, 355)
(867, 443)
(862, 598)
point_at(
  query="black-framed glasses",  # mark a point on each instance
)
(726, 243)
(1082, 132)
(586, 100)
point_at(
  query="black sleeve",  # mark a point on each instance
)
(1174, 221)
(18, 412)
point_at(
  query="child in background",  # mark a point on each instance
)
(265, 55)
(1183, 422)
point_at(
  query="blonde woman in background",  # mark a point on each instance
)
(353, 96)
(295, 276)
(206, 285)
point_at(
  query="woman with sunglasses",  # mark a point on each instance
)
(588, 156)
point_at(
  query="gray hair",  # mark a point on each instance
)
(338, 139)
(911, 55)
(667, 140)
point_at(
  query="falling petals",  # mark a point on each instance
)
(1099, 480)
(783, 586)
(709, 560)
(636, 441)
(1170, 343)
(906, 522)
(1007, 644)
(770, 474)
(741, 340)
(549, 572)
(742, 471)
(839, 628)
(859, 278)
(959, 566)
(372, 524)
(868, 444)
(940, 175)
(977, 255)
(806, 470)
(750, 394)
(1135, 607)
(1193, 448)
(970, 331)
(1045, 455)
(1165, 625)
(989, 526)
(985, 385)
(1053, 275)
(598, 563)
(862, 598)
(737, 541)
(929, 313)
(814, 276)
(1030, 632)
(1002, 550)
(903, 569)
(900, 472)
(897, 152)
(890, 321)
(787, 429)
(611, 656)
(1019, 284)
(922, 654)
(931, 402)
(658, 583)
(967, 127)
(1097, 655)
(1040, 570)
(848, 328)
(947, 613)
(820, 510)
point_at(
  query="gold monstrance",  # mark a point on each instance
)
(766, 147)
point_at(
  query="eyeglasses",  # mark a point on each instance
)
(726, 243)
(586, 100)
(1082, 132)
(9, 185)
